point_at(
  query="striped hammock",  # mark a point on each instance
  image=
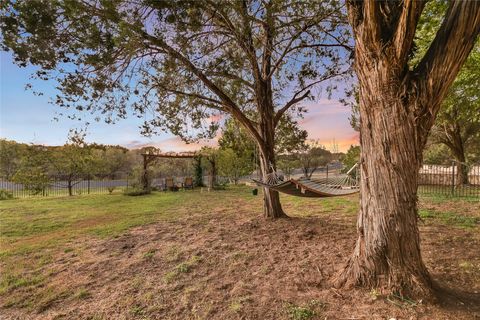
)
(313, 188)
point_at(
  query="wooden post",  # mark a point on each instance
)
(144, 177)
(453, 177)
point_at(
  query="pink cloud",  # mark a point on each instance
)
(328, 121)
(174, 144)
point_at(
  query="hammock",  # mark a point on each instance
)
(312, 188)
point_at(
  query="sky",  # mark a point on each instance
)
(29, 118)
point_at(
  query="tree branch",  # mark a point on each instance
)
(231, 76)
(296, 99)
(193, 95)
(319, 45)
(288, 46)
(406, 26)
(447, 53)
(227, 102)
(244, 37)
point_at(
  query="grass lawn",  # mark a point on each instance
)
(211, 255)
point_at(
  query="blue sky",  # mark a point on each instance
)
(28, 118)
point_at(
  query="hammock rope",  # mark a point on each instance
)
(315, 188)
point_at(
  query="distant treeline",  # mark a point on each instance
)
(20, 159)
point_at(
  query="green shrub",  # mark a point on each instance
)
(137, 192)
(220, 186)
(5, 194)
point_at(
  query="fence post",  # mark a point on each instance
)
(327, 172)
(88, 184)
(453, 178)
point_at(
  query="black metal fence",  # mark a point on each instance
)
(62, 186)
(455, 180)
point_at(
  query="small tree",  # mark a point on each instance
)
(71, 163)
(233, 166)
(351, 158)
(11, 154)
(33, 170)
(312, 156)
(287, 163)
(290, 139)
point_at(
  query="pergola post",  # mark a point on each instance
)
(145, 173)
(150, 157)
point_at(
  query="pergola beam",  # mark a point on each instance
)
(166, 155)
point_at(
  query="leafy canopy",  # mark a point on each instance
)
(180, 63)
(458, 122)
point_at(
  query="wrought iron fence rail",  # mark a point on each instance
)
(61, 187)
(454, 180)
(58, 186)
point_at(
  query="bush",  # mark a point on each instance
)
(5, 194)
(137, 178)
(220, 186)
(137, 192)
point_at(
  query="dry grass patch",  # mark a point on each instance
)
(188, 255)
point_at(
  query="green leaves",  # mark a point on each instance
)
(33, 170)
(182, 62)
(458, 122)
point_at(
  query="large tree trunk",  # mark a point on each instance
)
(398, 107)
(272, 207)
(462, 172)
(266, 128)
(457, 147)
(387, 252)
(451, 136)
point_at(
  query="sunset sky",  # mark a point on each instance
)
(28, 118)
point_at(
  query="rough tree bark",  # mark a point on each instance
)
(272, 207)
(397, 109)
(266, 128)
(462, 173)
(462, 169)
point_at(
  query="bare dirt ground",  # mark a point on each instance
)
(233, 264)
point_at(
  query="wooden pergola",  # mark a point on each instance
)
(149, 157)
